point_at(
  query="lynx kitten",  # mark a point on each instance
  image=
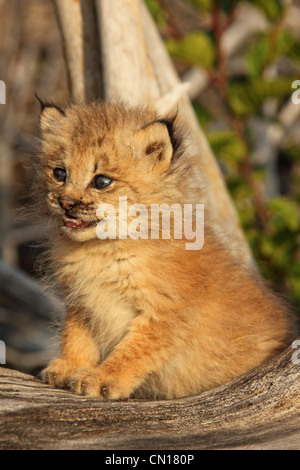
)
(144, 317)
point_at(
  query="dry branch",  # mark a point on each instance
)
(78, 29)
(259, 410)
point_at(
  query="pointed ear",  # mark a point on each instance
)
(50, 116)
(154, 143)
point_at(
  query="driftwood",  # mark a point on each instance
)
(81, 48)
(259, 410)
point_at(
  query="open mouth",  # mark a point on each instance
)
(76, 223)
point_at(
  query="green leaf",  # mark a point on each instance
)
(157, 12)
(267, 247)
(294, 52)
(204, 5)
(227, 146)
(285, 214)
(203, 115)
(273, 9)
(246, 98)
(257, 56)
(295, 280)
(283, 44)
(196, 48)
(266, 49)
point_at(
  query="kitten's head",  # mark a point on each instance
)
(94, 154)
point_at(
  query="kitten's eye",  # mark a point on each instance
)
(102, 181)
(60, 174)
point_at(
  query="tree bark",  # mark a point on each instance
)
(258, 410)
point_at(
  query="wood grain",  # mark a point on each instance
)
(78, 28)
(259, 410)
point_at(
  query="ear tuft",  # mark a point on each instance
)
(50, 115)
(169, 122)
(154, 144)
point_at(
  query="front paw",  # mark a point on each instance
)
(92, 382)
(57, 373)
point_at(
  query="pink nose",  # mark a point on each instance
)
(67, 203)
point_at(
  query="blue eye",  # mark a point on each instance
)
(102, 181)
(60, 174)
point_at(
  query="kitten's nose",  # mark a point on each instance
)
(67, 203)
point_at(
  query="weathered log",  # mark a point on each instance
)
(77, 24)
(258, 410)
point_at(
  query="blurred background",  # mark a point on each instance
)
(241, 59)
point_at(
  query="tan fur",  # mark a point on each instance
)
(144, 317)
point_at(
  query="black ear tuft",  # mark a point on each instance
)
(42, 104)
(48, 104)
(175, 137)
(170, 125)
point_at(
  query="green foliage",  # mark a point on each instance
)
(203, 115)
(278, 252)
(206, 5)
(273, 9)
(266, 49)
(195, 48)
(247, 98)
(156, 11)
(284, 215)
(227, 146)
(272, 225)
(294, 52)
(203, 5)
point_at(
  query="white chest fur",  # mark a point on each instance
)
(101, 284)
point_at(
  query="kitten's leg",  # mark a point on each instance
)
(148, 346)
(78, 350)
